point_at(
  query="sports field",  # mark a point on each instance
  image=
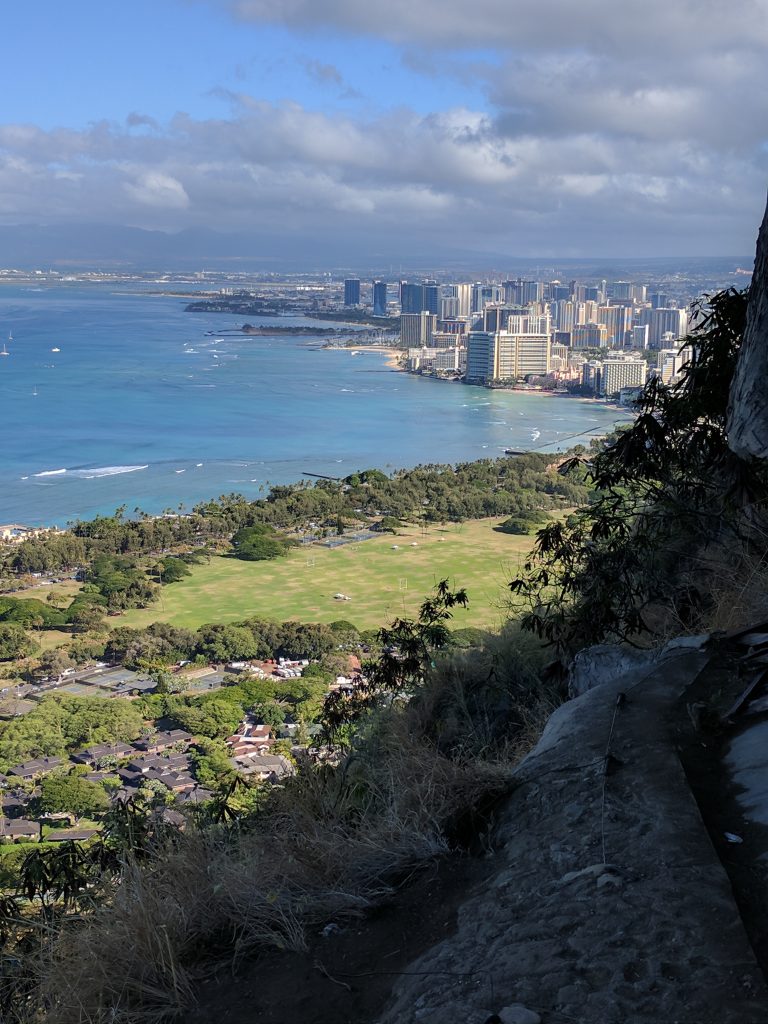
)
(383, 578)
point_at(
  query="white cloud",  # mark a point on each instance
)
(453, 177)
(153, 188)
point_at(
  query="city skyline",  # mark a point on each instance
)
(437, 129)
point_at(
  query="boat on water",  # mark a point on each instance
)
(5, 351)
(55, 350)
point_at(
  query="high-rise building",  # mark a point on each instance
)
(464, 295)
(417, 329)
(622, 373)
(592, 375)
(658, 300)
(379, 298)
(483, 294)
(481, 357)
(502, 355)
(617, 320)
(411, 297)
(459, 326)
(512, 292)
(564, 315)
(449, 306)
(665, 320)
(352, 291)
(639, 337)
(670, 361)
(431, 297)
(590, 312)
(451, 360)
(619, 290)
(496, 316)
(589, 336)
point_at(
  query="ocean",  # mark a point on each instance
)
(112, 398)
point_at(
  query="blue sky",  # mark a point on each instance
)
(72, 64)
(534, 128)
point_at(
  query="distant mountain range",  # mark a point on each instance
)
(90, 246)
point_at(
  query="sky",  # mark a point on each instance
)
(518, 127)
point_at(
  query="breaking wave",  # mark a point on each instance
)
(92, 474)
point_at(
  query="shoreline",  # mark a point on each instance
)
(393, 354)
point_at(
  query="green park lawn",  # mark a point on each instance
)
(381, 582)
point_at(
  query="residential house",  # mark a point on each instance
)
(268, 767)
(192, 797)
(163, 741)
(19, 830)
(77, 835)
(92, 755)
(38, 766)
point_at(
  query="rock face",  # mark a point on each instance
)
(748, 412)
(608, 903)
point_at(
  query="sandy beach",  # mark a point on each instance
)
(393, 354)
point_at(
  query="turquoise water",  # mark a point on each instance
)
(141, 407)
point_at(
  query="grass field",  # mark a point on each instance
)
(381, 582)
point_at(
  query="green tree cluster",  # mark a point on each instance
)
(258, 543)
(59, 725)
(61, 791)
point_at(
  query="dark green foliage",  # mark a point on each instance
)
(59, 725)
(522, 523)
(469, 636)
(29, 612)
(221, 644)
(212, 717)
(69, 792)
(389, 524)
(665, 489)
(305, 640)
(257, 543)
(171, 570)
(14, 642)
(54, 661)
(121, 583)
(345, 632)
(269, 712)
(160, 644)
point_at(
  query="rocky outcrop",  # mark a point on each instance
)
(748, 411)
(608, 902)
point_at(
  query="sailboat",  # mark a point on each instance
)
(34, 391)
(5, 351)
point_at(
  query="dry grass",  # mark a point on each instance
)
(329, 848)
